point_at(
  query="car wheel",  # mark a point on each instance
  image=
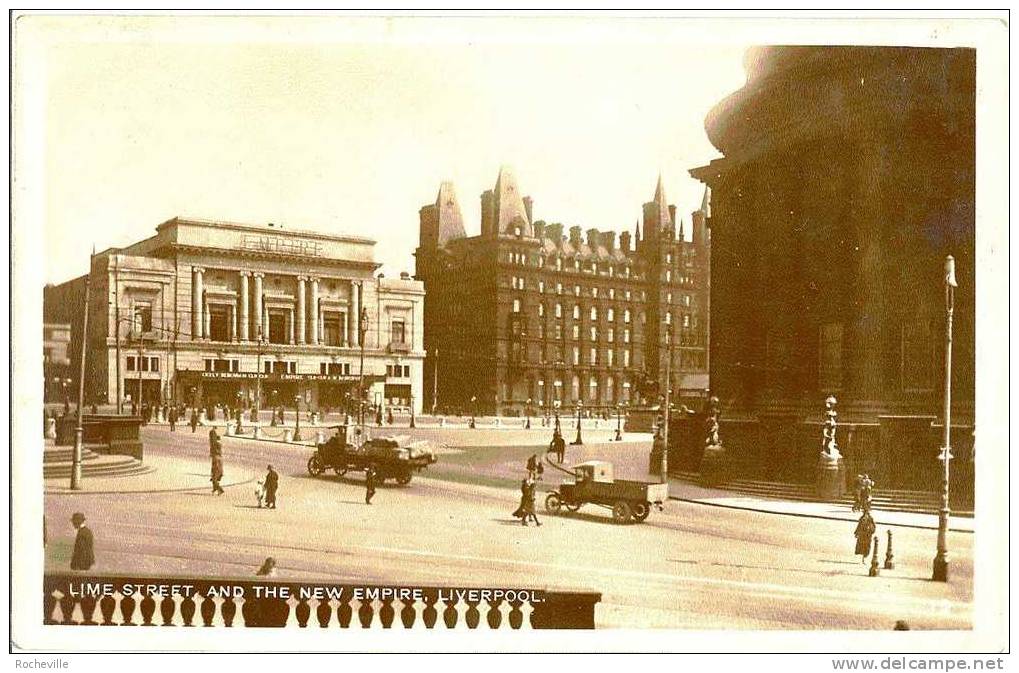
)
(553, 504)
(315, 466)
(621, 512)
(404, 479)
(641, 510)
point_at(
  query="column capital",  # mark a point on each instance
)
(302, 278)
(244, 273)
(314, 279)
(198, 269)
(257, 274)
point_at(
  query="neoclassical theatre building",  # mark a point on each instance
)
(525, 315)
(209, 312)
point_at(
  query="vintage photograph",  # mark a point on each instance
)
(379, 327)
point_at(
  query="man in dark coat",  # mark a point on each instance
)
(370, 477)
(272, 482)
(83, 557)
(216, 453)
(558, 446)
(194, 420)
(171, 417)
(865, 530)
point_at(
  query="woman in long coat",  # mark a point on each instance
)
(521, 511)
(865, 529)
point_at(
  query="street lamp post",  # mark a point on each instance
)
(412, 423)
(941, 559)
(619, 422)
(258, 378)
(79, 430)
(474, 411)
(579, 440)
(527, 411)
(240, 411)
(273, 423)
(362, 331)
(67, 400)
(558, 425)
(297, 417)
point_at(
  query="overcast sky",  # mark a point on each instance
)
(349, 127)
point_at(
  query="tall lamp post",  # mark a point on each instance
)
(558, 424)
(79, 430)
(579, 440)
(474, 411)
(527, 411)
(619, 422)
(297, 417)
(412, 423)
(256, 410)
(362, 331)
(67, 400)
(941, 559)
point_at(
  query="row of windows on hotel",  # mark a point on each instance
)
(520, 283)
(290, 367)
(687, 320)
(593, 390)
(609, 269)
(610, 334)
(555, 355)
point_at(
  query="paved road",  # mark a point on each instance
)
(690, 567)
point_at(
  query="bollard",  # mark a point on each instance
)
(497, 421)
(257, 433)
(288, 435)
(230, 430)
(442, 421)
(51, 428)
(889, 558)
(874, 571)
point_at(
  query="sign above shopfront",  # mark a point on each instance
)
(251, 376)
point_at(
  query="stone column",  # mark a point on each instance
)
(242, 305)
(290, 325)
(257, 307)
(302, 310)
(207, 318)
(233, 323)
(351, 326)
(357, 314)
(265, 320)
(197, 297)
(321, 324)
(314, 311)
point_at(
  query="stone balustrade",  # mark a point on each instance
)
(227, 603)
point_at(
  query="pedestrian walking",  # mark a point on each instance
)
(530, 489)
(558, 446)
(532, 466)
(521, 510)
(865, 529)
(83, 557)
(272, 482)
(171, 417)
(268, 568)
(194, 420)
(858, 493)
(866, 491)
(216, 454)
(370, 477)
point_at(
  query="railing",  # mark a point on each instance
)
(101, 600)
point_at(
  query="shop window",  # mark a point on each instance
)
(266, 367)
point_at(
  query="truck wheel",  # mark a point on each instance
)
(621, 512)
(553, 504)
(315, 466)
(641, 510)
(404, 478)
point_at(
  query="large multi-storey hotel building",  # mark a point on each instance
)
(208, 312)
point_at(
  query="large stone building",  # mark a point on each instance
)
(208, 312)
(847, 177)
(526, 315)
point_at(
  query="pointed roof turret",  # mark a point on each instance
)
(660, 194)
(451, 221)
(636, 231)
(681, 229)
(706, 202)
(509, 205)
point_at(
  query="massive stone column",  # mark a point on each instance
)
(197, 298)
(256, 304)
(233, 323)
(242, 306)
(207, 318)
(302, 310)
(314, 311)
(357, 313)
(290, 325)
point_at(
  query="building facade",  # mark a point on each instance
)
(207, 312)
(56, 363)
(847, 177)
(527, 315)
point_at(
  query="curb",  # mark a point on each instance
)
(809, 516)
(155, 490)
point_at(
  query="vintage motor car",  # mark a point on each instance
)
(393, 457)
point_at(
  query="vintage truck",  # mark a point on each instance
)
(593, 482)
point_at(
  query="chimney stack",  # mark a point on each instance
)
(624, 241)
(593, 238)
(554, 232)
(539, 229)
(575, 235)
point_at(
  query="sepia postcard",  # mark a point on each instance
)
(512, 333)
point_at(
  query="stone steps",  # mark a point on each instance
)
(889, 500)
(64, 454)
(96, 466)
